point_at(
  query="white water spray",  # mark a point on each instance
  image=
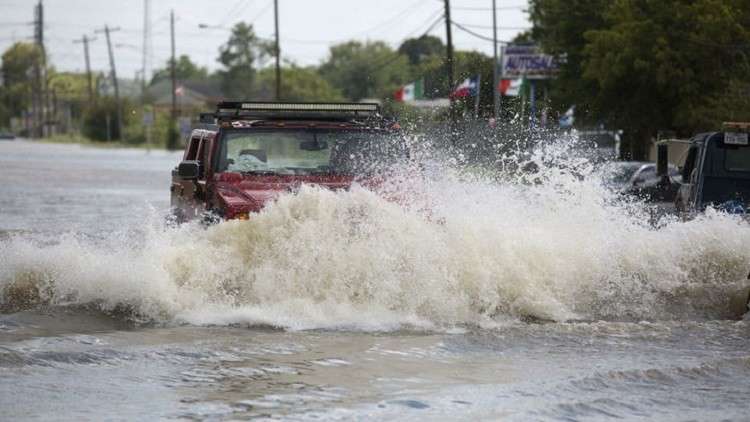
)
(553, 245)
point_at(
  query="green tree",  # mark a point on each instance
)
(69, 86)
(298, 84)
(663, 64)
(185, 69)
(365, 70)
(240, 56)
(648, 65)
(18, 63)
(559, 26)
(422, 48)
(99, 118)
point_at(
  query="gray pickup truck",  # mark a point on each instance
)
(716, 171)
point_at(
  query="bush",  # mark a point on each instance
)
(95, 119)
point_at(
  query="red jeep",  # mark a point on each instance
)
(250, 152)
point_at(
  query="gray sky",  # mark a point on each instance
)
(308, 27)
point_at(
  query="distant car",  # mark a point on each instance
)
(617, 175)
(626, 175)
(647, 184)
(7, 136)
(639, 178)
(646, 177)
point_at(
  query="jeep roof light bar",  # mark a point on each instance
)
(736, 126)
(227, 110)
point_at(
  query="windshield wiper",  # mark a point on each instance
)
(259, 172)
(321, 170)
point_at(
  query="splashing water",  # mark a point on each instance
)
(546, 243)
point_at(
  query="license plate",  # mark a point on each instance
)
(735, 138)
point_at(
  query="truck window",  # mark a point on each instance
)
(687, 168)
(737, 158)
(205, 157)
(309, 152)
(192, 148)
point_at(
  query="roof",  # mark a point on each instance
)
(190, 93)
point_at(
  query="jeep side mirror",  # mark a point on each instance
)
(189, 169)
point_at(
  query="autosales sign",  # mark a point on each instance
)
(527, 60)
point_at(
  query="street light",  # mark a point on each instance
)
(128, 46)
(207, 26)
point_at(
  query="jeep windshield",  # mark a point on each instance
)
(301, 152)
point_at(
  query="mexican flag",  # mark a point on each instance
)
(410, 92)
(511, 87)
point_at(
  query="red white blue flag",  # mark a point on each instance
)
(468, 88)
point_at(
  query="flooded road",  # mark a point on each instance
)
(109, 315)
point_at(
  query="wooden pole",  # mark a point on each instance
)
(277, 50)
(449, 65)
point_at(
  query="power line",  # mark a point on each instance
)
(431, 18)
(262, 12)
(233, 11)
(431, 27)
(475, 34)
(505, 28)
(399, 15)
(489, 9)
(398, 56)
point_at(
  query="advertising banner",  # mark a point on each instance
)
(527, 60)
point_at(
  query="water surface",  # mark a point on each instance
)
(340, 305)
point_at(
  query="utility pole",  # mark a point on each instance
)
(37, 96)
(495, 79)
(278, 50)
(85, 41)
(172, 140)
(146, 45)
(449, 62)
(113, 74)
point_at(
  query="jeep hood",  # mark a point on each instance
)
(251, 194)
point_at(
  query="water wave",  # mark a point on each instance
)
(552, 244)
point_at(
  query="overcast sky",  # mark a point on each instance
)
(308, 27)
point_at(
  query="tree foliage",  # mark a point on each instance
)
(422, 48)
(559, 25)
(18, 63)
(647, 65)
(298, 84)
(365, 70)
(98, 118)
(185, 69)
(243, 53)
(672, 59)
